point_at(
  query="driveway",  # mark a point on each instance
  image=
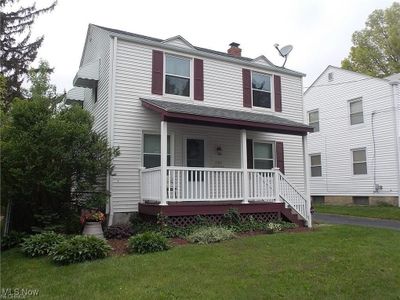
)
(350, 220)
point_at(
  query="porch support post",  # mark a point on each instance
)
(276, 185)
(243, 163)
(164, 149)
(306, 163)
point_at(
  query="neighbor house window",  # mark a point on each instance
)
(313, 119)
(177, 75)
(359, 161)
(95, 93)
(263, 157)
(356, 112)
(316, 167)
(261, 87)
(330, 76)
(152, 150)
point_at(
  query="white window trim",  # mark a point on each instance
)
(195, 137)
(272, 91)
(349, 112)
(352, 161)
(191, 78)
(311, 165)
(273, 152)
(319, 122)
(172, 146)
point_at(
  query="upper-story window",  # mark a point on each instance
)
(177, 75)
(356, 112)
(313, 119)
(261, 88)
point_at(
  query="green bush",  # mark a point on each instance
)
(41, 244)
(147, 242)
(232, 217)
(11, 240)
(212, 234)
(79, 249)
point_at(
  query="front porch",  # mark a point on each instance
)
(197, 189)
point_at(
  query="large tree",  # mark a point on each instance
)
(376, 50)
(17, 49)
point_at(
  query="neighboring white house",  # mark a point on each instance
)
(354, 149)
(192, 124)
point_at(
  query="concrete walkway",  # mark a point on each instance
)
(360, 221)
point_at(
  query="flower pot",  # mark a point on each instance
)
(93, 228)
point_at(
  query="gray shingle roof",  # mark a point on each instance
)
(208, 111)
(210, 51)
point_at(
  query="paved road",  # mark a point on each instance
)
(350, 220)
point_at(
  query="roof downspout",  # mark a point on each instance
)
(111, 121)
(396, 100)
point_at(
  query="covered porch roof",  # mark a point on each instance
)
(220, 117)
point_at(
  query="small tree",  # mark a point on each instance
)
(376, 50)
(52, 160)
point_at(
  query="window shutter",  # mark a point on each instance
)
(278, 93)
(246, 87)
(249, 154)
(280, 159)
(157, 72)
(198, 80)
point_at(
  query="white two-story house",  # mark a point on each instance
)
(199, 130)
(354, 149)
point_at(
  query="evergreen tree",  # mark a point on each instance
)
(17, 50)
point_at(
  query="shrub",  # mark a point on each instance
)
(232, 217)
(147, 242)
(79, 249)
(275, 227)
(11, 240)
(208, 235)
(41, 244)
(119, 231)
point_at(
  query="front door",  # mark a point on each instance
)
(195, 153)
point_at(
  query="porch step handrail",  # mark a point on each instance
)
(292, 197)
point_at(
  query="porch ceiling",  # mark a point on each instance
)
(219, 117)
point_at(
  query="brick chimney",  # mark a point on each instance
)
(234, 50)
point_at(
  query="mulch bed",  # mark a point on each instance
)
(120, 247)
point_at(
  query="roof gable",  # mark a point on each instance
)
(263, 60)
(178, 41)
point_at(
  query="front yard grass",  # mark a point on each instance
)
(333, 262)
(380, 212)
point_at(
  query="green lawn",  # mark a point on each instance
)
(334, 262)
(380, 212)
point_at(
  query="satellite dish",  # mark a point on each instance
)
(284, 51)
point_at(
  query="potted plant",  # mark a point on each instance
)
(92, 220)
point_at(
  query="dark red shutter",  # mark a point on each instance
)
(278, 93)
(198, 80)
(249, 154)
(246, 87)
(157, 72)
(280, 158)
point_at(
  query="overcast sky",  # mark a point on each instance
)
(319, 30)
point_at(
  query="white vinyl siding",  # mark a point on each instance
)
(337, 136)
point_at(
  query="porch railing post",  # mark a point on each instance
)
(276, 184)
(243, 162)
(163, 177)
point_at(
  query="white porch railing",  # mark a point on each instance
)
(220, 184)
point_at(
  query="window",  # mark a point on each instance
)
(356, 112)
(316, 167)
(263, 156)
(360, 200)
(152, 150)
(330, 76)
(95, 93)
(177, 76)
(359, 161)
(313, 119)
(261, 87)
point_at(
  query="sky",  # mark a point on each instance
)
(319, 30)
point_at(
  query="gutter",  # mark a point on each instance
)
(396, 99)
(200, 53)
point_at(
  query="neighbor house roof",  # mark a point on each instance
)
(202, 50)
(220, 117)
